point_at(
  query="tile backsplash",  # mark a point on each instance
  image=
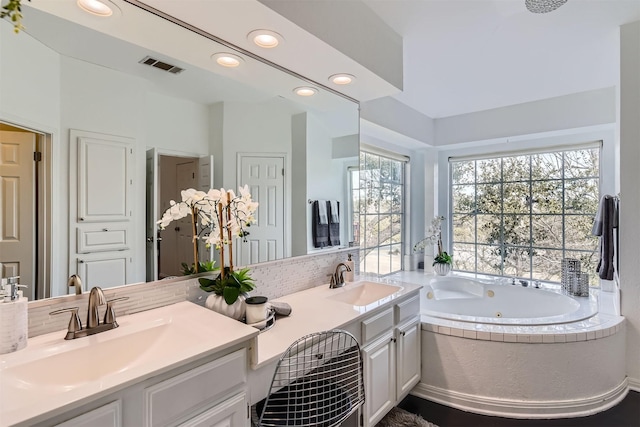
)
(273, 279)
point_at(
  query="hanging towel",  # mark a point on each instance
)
(322, 212)
(605, 221)
(319, 231)
(335, 212)
(334, 223)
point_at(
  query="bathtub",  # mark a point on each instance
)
(505, 350)
(459, 298)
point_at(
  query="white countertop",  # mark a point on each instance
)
(313, 310)
(52, 375)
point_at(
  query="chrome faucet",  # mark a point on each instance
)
(337, 278)
(96, 299)
(75, 282)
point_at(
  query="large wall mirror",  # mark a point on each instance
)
(74, 86)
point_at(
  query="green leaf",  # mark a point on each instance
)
(231, 294)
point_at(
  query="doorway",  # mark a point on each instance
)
(264, 174)
(167, 175)
(25, 208)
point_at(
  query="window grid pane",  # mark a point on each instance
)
(520, 215)
(381, 211)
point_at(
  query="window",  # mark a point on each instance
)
(380, 209)
(519, 215)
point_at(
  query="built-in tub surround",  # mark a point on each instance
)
(274, 279)
(538, 367)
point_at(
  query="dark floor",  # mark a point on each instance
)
(624, 414)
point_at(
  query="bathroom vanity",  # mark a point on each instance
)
(185, 365)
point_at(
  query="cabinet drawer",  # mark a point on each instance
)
(376, 325)
(170, 400)
(407, 309)
(100, 238)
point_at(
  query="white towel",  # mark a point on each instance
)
(335, 217)
(322, 212)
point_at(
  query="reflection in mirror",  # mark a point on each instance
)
(120, 138)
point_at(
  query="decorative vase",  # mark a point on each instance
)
(219, 305)
(441, 269)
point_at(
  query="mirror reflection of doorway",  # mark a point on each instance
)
(24, 214)
(167, 176)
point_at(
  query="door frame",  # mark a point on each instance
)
(43, 272)
(286, 250)
(158, 153)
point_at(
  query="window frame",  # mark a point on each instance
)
(530, 182)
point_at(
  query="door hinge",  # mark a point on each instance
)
(37, 156)
(282, 171)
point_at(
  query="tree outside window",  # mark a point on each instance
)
(519, 215)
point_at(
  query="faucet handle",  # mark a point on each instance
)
(110, 314)
(75, 324)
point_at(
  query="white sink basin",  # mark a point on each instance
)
(85, 364)
(365, 293)
(52, 373)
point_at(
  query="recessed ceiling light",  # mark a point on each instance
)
(305, 91)
(265, 38)
(226, 59)
(342, 79)
(96, 7)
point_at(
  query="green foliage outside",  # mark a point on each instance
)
(378, 205)
(520, 215)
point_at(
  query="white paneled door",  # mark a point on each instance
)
(17, 206)
(265, 177)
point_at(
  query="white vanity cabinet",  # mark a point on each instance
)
(391, 353)
(209, 392)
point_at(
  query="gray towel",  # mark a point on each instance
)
(605, 221)
(334, 223)
(281, 308)
(319, 231)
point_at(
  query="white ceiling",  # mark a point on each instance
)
(462, 56)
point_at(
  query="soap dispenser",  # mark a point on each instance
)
(13, 317)
(348, 275)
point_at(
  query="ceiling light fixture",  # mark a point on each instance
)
(543, 6)
(226, 59)
(96, 7)
(305, 91)
(265, 38)
(342, 79)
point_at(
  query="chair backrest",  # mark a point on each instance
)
(318, 382)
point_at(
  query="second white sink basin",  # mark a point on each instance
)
(365, 293)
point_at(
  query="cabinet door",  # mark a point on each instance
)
(379, 378)
(408, 354)
(109, 415)
(230, 413)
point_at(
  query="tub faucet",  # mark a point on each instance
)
(337, 278)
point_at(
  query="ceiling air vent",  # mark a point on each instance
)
(147, 60)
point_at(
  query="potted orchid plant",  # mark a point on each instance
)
(442, 262)
(217, 218)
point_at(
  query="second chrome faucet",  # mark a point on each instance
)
(337, 278)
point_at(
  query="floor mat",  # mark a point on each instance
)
(400, 418)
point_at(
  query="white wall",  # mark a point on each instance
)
(51, 93)
(629, 112)
(596, 107)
